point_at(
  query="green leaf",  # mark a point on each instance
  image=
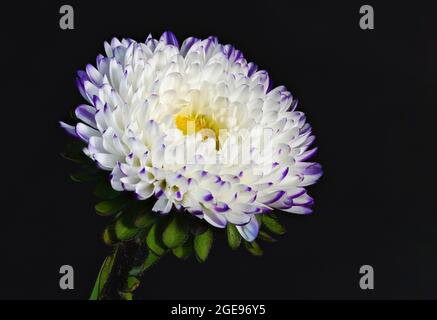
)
(202, 245)
(154, 242)
(132, 284)
(110, 207)
(124, 231)
(176, 232)
(144, 220)
(234, 237)
(104, 272)
(253, 248)
(109, 236)
(125, 228)
(103, 190)
(273, 225)
(266, 237)
(183, 251)
(127, 296)
(150, 260)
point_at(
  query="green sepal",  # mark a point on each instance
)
(132, 284)
(273, 225)
(154, 241)
(109, 236)
(123, 228)
(202, 244)
(253, 248)
(234, 237)
(144, 220)
(110, 207)
(127, 296)
(150, 260)
(183, 251)
(265, 236)
(176, 232)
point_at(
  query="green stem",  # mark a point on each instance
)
(120, 273)
(126, 257)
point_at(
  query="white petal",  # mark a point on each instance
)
(85, 132)
(162, 205)
(215, 219)
(144, 190)
(249, 231)
(106, 160)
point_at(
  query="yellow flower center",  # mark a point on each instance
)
(190, 123)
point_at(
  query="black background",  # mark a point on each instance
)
(370, 96)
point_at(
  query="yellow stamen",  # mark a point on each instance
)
(190, 123)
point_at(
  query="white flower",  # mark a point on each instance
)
(145, 99)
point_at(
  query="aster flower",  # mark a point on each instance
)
(195, 128)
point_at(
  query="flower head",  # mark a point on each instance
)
(197, 127)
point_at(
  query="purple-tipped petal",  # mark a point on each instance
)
(284, 174)
(71, 130)
(304, 200)
(169, 38)
(86, 113)
(197, 213)
(298, 193)
(221, 207)
(249, 231)
(99, 60)
(313, 169)
(93, 74)
(252, 67)
(293, 105)
(210, 44)
(299, 210)
(81, 87)
(269, 85)
(306, 128)
(215, 219)
(82, 75)
(151, 43)
(307, 155)
(275, 197)
(187, 44)
(159, 193)
(208, 197)
(228, 50)
(85, 132)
